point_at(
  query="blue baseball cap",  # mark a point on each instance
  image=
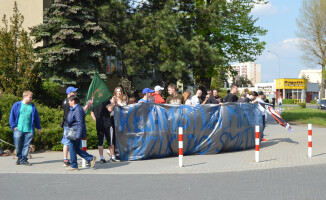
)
(147, 90)
(71, 89)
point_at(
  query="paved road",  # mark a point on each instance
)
(297, 183)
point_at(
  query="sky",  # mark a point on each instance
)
(279, 18)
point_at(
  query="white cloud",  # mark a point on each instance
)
(286, 49)
(264, 9)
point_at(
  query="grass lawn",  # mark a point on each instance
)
(305, 116)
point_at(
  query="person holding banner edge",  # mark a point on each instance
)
(147, 96)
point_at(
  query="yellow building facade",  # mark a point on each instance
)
(290, 88)
(32, 10)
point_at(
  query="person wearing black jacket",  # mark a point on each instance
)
(215, 99)
(101, 114)
(232, 96)
(244, 98)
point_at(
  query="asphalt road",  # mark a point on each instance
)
(283, 183)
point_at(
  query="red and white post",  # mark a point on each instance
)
(84, 148)
(309, 140)
(257, 140)
(180, 147)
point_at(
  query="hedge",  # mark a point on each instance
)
(288, 101)
(302, 105)
(313, 102)
(50, 138)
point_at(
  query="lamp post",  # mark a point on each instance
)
(279, 69)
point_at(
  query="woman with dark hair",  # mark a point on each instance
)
(76, 121)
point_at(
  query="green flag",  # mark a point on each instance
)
(98, 92)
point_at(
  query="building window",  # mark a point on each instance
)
(114, 63)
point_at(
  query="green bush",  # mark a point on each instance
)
(288, 101)
(50, 138)
(302, 105)
(313, 102)
(222, 93)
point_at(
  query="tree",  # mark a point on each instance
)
(73, 44)
(312, 31)
(17, 69)
(229, 30)
(171, 39)
(242, 81)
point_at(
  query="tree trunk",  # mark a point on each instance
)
(322, 84)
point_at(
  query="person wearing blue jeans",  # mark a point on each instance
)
(23, 120)
(76, 120)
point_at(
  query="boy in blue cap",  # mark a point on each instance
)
(70, 91)
(147, 95)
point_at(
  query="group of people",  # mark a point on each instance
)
(24, 118)
(212, 97)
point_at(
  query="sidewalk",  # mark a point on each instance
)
(281, 150)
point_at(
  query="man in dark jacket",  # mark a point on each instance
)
(215, 99)
(244, 98)
(232, 96)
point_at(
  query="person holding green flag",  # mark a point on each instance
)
(102, 113)
(97, 93)
(101, 116)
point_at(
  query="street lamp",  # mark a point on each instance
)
(279, 70)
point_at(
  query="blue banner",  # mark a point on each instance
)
(148, 130)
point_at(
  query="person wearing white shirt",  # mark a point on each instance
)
(279, 101)
(195, 99)
(262, 109)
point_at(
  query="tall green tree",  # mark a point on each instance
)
(312, 31)
(17, 60)
(229, 30)
(73, 44)
(175, 38)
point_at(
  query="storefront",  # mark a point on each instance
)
(267, 88)
(291, 88)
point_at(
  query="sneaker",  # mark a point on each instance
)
(17, 162)
(109, 153)
(93, 161)
(72, 169)
(115, 160)
(103, 161)
(66, 163)
(264, 140)
(26, 163)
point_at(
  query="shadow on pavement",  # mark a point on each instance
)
(109, 165)
(268, 160)
(275, 141)
(319, 155)
(202, 163)
(44, 162)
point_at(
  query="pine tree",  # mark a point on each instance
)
(17, 60)
(73, 44)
